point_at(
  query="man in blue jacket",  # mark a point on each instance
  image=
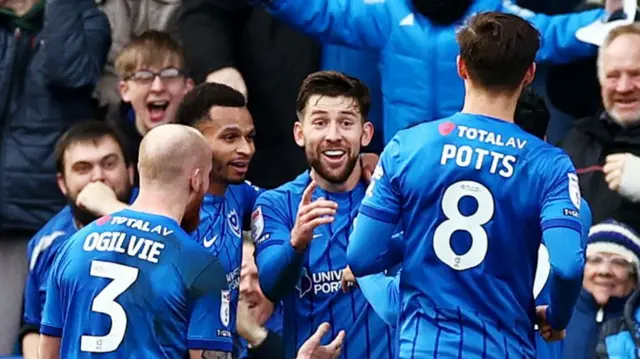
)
(416, 43)
(51, 56)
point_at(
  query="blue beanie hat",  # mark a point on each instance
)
(614, 237)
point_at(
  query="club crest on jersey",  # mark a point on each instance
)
(304, 283)
(574, 190)
(225, 312)
(234, 222)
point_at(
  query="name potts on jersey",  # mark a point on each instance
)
(319, 283)
(467, 156)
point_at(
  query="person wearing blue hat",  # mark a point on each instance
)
(610, 276)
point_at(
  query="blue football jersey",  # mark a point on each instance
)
(222, 220)
(473, 195)
(317, 297)
(134, 285)
(541, 287)
(41, 251)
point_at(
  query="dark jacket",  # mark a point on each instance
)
(46, 81)
(273, 59)
(588, 144)
(585, 325)
(620, 337)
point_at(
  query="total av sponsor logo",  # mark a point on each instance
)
(319, 283)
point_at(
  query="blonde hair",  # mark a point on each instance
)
(151, 48)
(630, 29)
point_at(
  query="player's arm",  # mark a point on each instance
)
(52, 323)
(383, 293)
(49, 347)
(249, 197)
(559, 42)
(32, 311)
(357, 24)
(208, 334)
(562, 233)
(370, 250)
(280, 249)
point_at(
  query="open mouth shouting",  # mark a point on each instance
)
(157, 110)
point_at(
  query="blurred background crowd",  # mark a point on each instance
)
(130, 62)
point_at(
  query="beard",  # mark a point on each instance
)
(84, 217)
(330, 175)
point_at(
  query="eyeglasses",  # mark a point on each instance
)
(146, 77)
(617, 263)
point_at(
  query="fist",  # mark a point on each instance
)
(547, 333)
(230, 77)
(348, 279)
(96, 197)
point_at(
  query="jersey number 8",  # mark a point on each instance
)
(471, 224)
(105, 303)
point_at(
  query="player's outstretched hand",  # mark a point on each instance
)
(311, 215)
(311, 349)
(368, 162)
(547, 333)
(348, 279)
(97, 198)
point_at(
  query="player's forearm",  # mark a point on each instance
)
(279, 270)
(567, 264)
(30, 346)
(49, 347)
(383, 294)
(368, 251)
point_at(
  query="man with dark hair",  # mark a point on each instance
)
(475, 227)
(300, 229)
(90, 154)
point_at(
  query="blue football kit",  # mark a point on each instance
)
(222, 220)
(41, 252)
(309, 283)
(134, 285)
(474, 196)
(541, 291)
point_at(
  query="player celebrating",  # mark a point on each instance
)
(474, 195)
(133, 284)
(301, 228)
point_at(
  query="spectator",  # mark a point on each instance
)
(265, 59)
(152, 84)
(256, 316)
(610, 275)
(51, 56)
(593, 139)
(90, 153)
(619, 337)
(622, 173)
(128, 19)
(427, 87)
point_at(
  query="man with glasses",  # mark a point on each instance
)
(152, 84)
(610, 276)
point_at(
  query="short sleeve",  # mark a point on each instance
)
(52, 316)
(269, 223)
(209, 322)
(383, 199)
(32, 306)
(561, 198)
(250, 194)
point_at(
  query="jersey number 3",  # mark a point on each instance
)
(471, 224)
(105, 303)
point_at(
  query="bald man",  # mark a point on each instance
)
(132, 284)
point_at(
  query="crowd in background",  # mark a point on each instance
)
(130, 64)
